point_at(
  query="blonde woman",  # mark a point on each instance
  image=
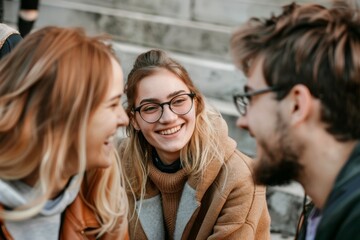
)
(188, 179)
(59, 111)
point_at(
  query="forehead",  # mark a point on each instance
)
(116, 81)
(159, 84)
(256, 76)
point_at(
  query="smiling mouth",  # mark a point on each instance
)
(109, 141)
(171, 130)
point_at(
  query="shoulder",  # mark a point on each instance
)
(237, 175)
(77, 218)
(344, 222)
(13, 40)
(239, 166)
(79, 212)
(9, 38)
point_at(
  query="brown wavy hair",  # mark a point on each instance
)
(314, 46)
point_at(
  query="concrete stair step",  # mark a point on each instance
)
(186, 36)
(285, 206)
(169, 8)
(195, 27)
(225, 12)
(215, 79)
(235, 12)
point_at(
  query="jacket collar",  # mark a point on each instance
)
(84, 218)
(201, 184)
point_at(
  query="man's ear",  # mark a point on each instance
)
(301, 104)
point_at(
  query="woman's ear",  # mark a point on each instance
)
(134, 123)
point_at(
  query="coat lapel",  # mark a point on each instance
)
(187, 206)
(151, 217)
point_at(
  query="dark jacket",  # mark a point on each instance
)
(341, 214)
(9, 38)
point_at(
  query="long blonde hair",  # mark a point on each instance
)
(50, 85)
(203, 146)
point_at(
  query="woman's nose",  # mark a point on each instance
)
(167, 115)
(122, 118)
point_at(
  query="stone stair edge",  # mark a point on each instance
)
(88, 7)
(194, 9)
(206, 40)
(213, 63)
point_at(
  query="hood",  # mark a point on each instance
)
(16, 193)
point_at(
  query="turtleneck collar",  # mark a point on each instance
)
(171, 168)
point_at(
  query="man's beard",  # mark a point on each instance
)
(279, 163)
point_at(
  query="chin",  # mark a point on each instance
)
(174, 148)
(99, 162)
(105, 163)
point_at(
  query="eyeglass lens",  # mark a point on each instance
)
(152, 112)
(241, 103)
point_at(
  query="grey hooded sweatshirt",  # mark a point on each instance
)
(46, 224)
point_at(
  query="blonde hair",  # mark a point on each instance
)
(50, 85)
(203, 146)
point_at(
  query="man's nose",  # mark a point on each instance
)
(242, 122)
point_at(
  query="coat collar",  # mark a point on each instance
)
(201, 184)
(83, 217)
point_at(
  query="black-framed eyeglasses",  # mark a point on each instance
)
(242, 100)
(180, 104)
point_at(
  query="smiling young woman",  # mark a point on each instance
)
(187, 177)
(60, 176)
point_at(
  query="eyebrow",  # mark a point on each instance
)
(173, 94)
(114, 98)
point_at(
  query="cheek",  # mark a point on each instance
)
(191, 119)
(144, 127)
(193, 114)
(253, 119)
(108, 122)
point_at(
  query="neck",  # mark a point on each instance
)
(58, 186)
(322, 160)
(168, 168)
(168, 158)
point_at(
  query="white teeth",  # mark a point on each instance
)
(170, 131)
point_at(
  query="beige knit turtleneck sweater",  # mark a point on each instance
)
(170, 186)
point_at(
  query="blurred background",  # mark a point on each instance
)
(194, 32)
